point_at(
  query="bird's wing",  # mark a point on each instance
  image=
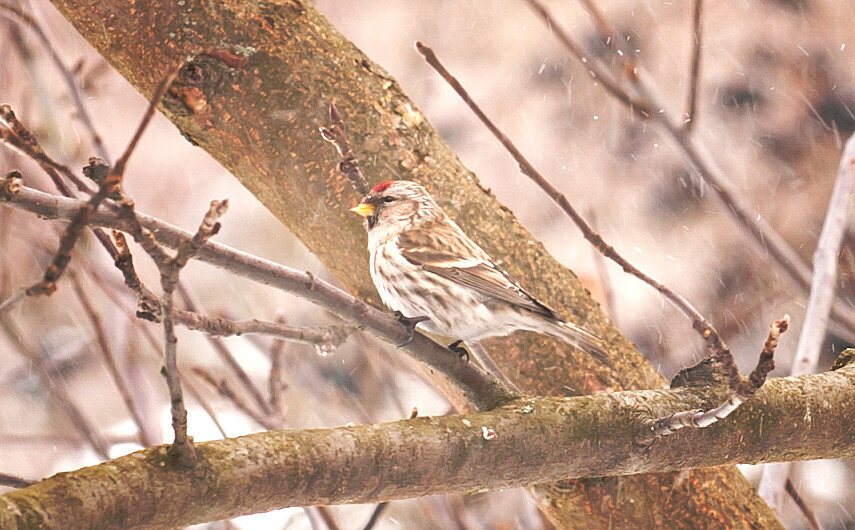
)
(443, 249)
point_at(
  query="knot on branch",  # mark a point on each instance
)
(11, 185)
(720, 365)
(98, 171)
(18, 128)
(349, 165)
(845, 358)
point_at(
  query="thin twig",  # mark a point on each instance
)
(159, 93)
(327, 517)
(17, 136)
(14, 298)
(328, 338)
(182, 446)
(605, 277)
(694, 72)
(109, 358)
(810, 516)
(223, 387)
(275, 384)
(60, 439)
(824, 282)
(65, 73)
(699, 322)
(698, 419)
(762, 232)
(47, 372)
(228, 358)
(375, 515)
(598, 73)
(822, 294)
(20, 136)
(197, 395)
(108, 186)
(146, 333)
(13, 481)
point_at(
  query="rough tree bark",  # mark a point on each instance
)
(260, 86)
(534, 439)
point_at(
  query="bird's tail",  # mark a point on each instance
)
(579, 337)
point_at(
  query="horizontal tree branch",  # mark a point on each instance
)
(478, 387)
(524, 442)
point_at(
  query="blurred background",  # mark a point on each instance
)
(776, 101)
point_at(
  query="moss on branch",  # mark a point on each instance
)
(536, 440)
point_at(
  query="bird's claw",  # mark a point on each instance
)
(411, 323)
(461, 352)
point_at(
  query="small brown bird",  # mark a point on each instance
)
(423, 265)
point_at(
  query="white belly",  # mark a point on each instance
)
(454, 310)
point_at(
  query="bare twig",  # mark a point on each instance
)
(148, 306)
(327, 517)
(824, 280)
(598, 73)
(14, 298)
(349, 165)
(20, 138)
(65, 73)
(47, 372)
(275, 384)
(107, 187)
(694, 72)
(12, 481)
(223, 387)
(146, 333)
(762, 232)
(67, 438)
(605, 277)
(482, 389)
(699, 322)
(375, 515)
(226, 356)
(182, 446)
(810, 516)
(822, 294)
(197, 395)
(326, 338)
(159, 93)
(109, 358)
(18, 135)
(699, 419)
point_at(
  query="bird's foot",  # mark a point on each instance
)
(411, 323)
(461, 352)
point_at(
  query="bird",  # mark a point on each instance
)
(434, 276)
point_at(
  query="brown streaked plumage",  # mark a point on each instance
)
(423, 264)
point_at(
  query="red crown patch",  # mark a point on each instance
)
(383, 186)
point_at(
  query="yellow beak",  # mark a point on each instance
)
(364, 209)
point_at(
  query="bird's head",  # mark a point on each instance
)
(396, 205)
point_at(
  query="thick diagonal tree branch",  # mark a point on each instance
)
(259, 116)
(536, 440)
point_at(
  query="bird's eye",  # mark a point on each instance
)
(388, 199)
